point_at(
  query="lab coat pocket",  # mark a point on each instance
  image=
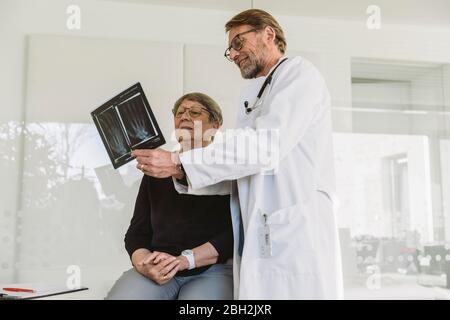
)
(281, 216)
(326, 194)
(327, 202)
(285, 227)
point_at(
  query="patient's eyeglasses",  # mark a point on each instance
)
(237, 43)
(194, 112)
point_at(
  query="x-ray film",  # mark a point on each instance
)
(126, 122)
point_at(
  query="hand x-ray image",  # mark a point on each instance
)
(137, 123)
(126, 122)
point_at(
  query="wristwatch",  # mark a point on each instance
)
(189, 254)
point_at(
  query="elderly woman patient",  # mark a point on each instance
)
(179, 244)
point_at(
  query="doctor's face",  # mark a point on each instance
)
(251, 56)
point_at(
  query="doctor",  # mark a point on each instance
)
(286, 240)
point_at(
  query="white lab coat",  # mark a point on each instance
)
(298, 196)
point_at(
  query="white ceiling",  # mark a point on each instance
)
(425, 13)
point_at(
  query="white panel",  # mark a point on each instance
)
(68, 77)
(75, 206)
(208, 71)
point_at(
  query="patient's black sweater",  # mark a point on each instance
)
(167, 221)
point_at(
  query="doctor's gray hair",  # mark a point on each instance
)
(215, 113)
(259, 19)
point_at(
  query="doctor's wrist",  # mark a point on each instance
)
(178, 173)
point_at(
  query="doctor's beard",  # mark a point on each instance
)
(255, 62)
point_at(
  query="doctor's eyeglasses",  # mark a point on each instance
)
(237, 43)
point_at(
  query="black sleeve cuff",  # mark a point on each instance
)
(132, 244)
(223, 243)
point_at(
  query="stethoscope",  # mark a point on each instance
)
(258, 101)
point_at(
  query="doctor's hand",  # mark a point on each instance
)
(158, 163)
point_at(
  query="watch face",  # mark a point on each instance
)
(189, 254)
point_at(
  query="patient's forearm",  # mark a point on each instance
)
(205, 255)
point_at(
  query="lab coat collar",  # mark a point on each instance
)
(273, 67)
